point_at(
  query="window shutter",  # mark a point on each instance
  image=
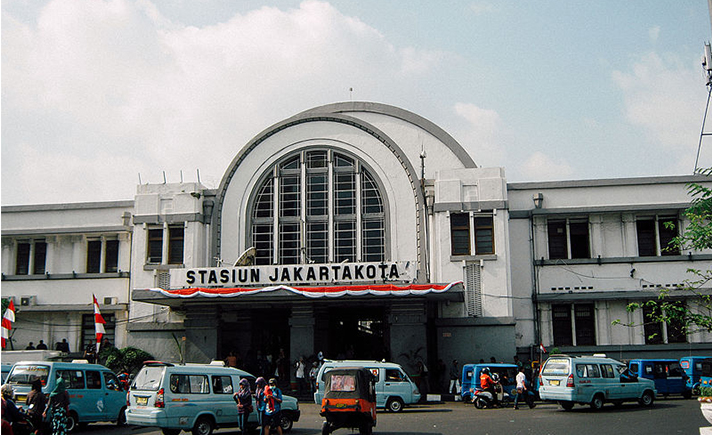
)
(473, 290)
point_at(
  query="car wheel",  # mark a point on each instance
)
(72, 421)
(286, 423)
(394, 405)
(204, 426)
(568, 406)
(597, 402)
(121, 419)
(647, 399)
(170, 431)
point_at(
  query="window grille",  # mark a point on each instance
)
(473, 290)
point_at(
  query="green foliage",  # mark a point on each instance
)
(128, 359)
(705, 391)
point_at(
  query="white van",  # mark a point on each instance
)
(592, 380)
(394, 388)
(193, 397)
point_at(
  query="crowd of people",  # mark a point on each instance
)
(268, 399)
(44, 415)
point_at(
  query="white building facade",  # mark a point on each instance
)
(356, 229)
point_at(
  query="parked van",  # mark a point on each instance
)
(706, 375)
(592, 380)
(507, 374)
(692, 365)
(193, 397)
(94, 393)
(667, 374)
(394, 388)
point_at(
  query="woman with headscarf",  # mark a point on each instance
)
(261, 402)
(243, 397)
(58, 407)
(36, 402)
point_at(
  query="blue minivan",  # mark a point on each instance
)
(692, 365)
(94, 392)
(470, 381)
(668, 375)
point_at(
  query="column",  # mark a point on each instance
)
(301, 337)
(201, 330)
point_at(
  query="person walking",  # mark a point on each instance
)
(58, 407)
(454, 379)
(260, 403)
(243, 397)
(36, 402)
(273, 409)
(522, 390)
(300, 373)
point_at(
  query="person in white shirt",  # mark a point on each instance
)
(522, 390)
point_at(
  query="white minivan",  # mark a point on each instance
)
(394, 388)
(192, 397)
(591, 380)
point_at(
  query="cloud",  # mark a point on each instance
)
(483, 134)
(541, 167)
(117, 87)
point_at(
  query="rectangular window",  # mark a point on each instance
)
(656, 331)
(561, 325)
(189, 384)
(40, 258)
(222, 385)
(585, 325)
(652, 328)
(655, 235)
(22, 264)
(484, 235)
(460, 233)
(155, 246)
(607, 371)
(667, 230)
(344, 193)
(289, 196)
(374, 240)
(557, 239)
(345, 241)
(176, 234)
(317, 242)
(289, 243)
(578, 239)
(676, 330)
(568, 238)
(94, 256)
(317, 195)
(73, 379)
(35, 250)
(93, 380)
(112, 256)
(263, 241)
(89, 331)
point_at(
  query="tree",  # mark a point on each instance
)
(128, 359)
(696, 236)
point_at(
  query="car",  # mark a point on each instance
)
(692, 365)
(592, 380)
(667, 374)
(94, 393)
(193, 397)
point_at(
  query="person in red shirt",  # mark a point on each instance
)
(487, 384)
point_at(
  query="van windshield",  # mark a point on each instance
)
(556, 367)
(148, 378)
(25, 374)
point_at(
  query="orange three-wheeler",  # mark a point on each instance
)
(349, 400)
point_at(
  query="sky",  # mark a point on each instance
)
(99, 95)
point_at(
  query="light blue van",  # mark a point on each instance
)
(394, 388)
(94, 394)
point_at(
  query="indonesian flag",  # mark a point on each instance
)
(542, 348)
(7, 320)
(98, 325)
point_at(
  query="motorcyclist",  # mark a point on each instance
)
(488, 384)
(10, 412)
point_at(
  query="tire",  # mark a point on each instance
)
(325, 429)
(72, 421)
(121, 419)
(394, 404)
(480, 403)
(286, 423)
(204, 426)
(647, 399)
(365, 429)
(568, 406)
(170, 431)
(597, 402)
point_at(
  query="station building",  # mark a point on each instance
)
(358, 230)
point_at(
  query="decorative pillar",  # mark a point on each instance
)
(301, 341)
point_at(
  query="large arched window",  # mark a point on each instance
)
(318, 206)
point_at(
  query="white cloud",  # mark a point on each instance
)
(541, 167)
(117, 87)
(483, 134)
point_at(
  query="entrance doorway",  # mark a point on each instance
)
(357, 333)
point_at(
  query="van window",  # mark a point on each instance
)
(660, 370)
(93, 380)
(556, 367)
(674, 370)
(25, 374)
(222, 385)
(588, 371)
(607, 371)
(394, 375)
(148, 378)
(73, 379)
(111, 381)
(634, 368)
(190, 384)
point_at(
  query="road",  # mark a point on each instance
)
(667, 416)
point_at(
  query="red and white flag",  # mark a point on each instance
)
(542, 348)
(7, 320)
(98, 325)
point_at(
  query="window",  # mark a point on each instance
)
(484, 234)
(93, 380)
(568, 238)
(394, 375)
(89, 331)
(222, 385)
(584, 324)
(175, 244)
(318, 206)
(460, 237)
(189, 384)
(155, 245)
(655, 235)
(460, 233)
(31, 258)
(588, 371)
(111, 381)
(607, 371)
(73, 379)
(173, 236)
(657, 332)
(106, 251)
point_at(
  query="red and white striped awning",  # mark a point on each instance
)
(313, 292)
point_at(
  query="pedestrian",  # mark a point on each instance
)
(90, 353)
(30, 346)
(300, 373)
(36, 402)
(260, 403)
(41, 345)
(313, 372)
(523, 390)
(231, 359)
(62, 346)
(273, 398)
(57, 408)
(10, 413)
(454, 378)
(243, 397)
(518, 363)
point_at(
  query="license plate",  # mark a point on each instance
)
(141, 401)
(554, 382)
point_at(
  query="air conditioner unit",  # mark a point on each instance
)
(27, 301)
(111, 301)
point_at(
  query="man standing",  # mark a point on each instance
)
(522, 390)
(454, 379)
(273, 414)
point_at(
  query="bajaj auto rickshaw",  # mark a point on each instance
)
(349, 400)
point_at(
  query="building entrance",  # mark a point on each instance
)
(356, 333)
